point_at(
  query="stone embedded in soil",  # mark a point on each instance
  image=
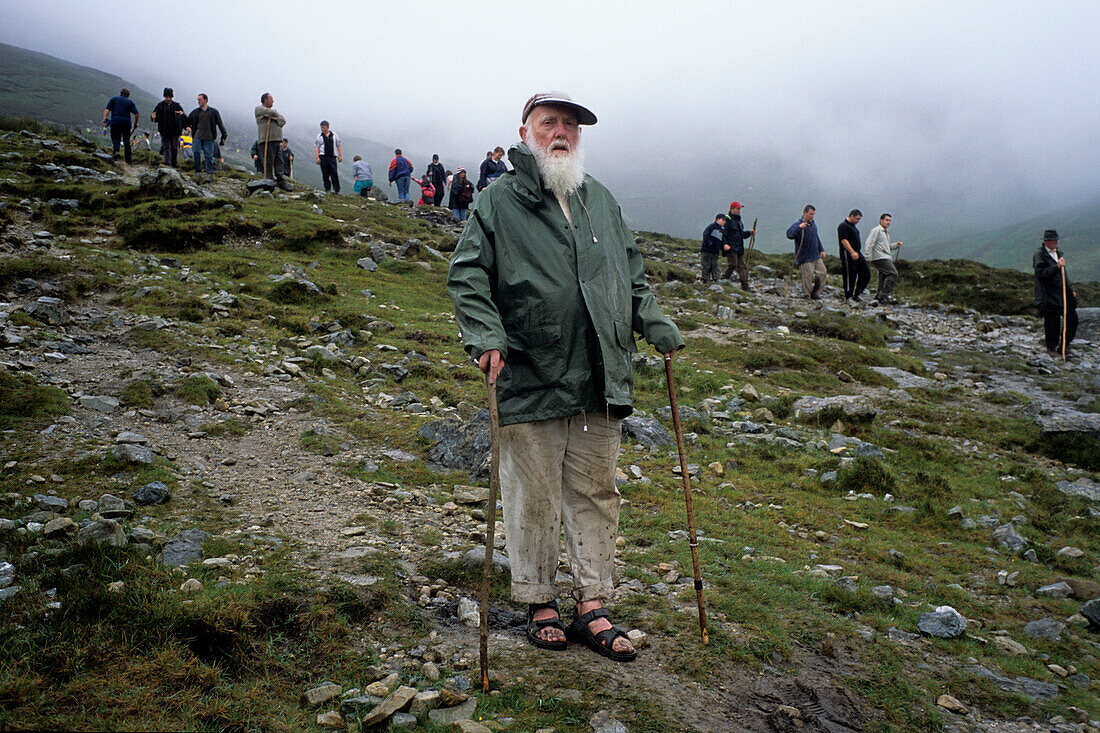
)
(60, 528)
(1058, 590)
(947, 702)
(1091, 611)
(1007, 536)
(1045, 628)
(151, 493)
(446, 716)
(397, 700)
(322, 693)
(134, 453)
(331, 719)
(103, 531)
(184, 548)
(423, 702)
(944, 623)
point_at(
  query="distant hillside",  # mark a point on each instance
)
(1013, 245)
(46, 88)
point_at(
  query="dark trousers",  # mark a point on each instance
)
(120, 135)
(856, 274)
(708, 263)
(170, 149)
(1052, 328)
(271, 162)
(438, 199)
(735, 261)
(329, 177)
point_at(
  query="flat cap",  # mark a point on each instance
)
(584, 115)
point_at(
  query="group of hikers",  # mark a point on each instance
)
(727, 236)
(196, 135)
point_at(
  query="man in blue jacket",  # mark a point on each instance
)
(809, 255)
(713, 238)
(400, 172)
(117, 116)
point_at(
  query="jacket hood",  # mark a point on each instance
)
(526, 183)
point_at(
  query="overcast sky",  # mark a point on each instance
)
(988, 103)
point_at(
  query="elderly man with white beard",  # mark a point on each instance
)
(549, 290)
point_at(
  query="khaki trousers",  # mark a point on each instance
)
(555, 475)
(813, 276)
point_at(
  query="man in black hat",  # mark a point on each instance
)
(170, 122)
(1054, 295)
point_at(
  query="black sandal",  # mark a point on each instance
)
(533, 626)
(602, 641)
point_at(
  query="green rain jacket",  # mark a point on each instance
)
(560, 302)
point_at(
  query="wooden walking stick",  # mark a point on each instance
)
(490, 528)
(752, 241)
(693, 541)
(797, 252)
(1065, 311)
(267, 136)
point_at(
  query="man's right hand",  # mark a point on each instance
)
(491, 362)
(1061, 262)
(855, 256)
(802, 225)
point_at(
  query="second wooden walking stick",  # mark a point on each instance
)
(1065, 311)
(490, 528)
(693, 540)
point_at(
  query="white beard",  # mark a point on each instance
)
(562, 174)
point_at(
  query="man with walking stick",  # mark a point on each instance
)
(734, 246)
(549, 290)
(809, 255)
(1054, 296)
(269, 135)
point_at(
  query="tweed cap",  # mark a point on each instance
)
(584, 115)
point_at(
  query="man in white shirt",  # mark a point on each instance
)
(880, 253)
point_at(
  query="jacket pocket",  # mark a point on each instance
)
(625, 336)
(535, 359)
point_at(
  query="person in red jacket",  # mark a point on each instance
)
(427, 191)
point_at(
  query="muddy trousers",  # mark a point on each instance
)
(887, 277)
(813, 275)
(735, 261)
(557, 477)
(708, 266)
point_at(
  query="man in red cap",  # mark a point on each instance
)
(549, 289)
(734, 246)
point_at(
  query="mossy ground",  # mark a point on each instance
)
(237, 657)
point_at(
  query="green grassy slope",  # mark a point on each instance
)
(37, 85)
(1014, 244)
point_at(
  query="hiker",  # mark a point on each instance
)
(400, 173)
(714, 237)
(427, 191)
(438, 176)
(1050, 273)
(269, 135)
(492, 168)
(202, 123)
(327, 153)
(169, 117)
(880, 253)
(546, 277)
(288, 158)
(462, 194)
(853, 268)
(257, 161)
(734, 246)
(809, 255)
(363, 175)
(116, 117)
(186, 146)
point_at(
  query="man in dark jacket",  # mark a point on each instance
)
(809, 255)
(546, 278)
(116, 116)
(853, 267)
(734, 246)
(168, 114)
(204, 123)
(1051, 281)
(288, 158)
(714, 237)
(437, 174)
